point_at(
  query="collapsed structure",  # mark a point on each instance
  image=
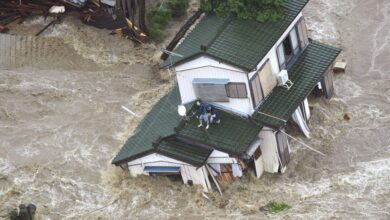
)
(103, 14)
(258, 76)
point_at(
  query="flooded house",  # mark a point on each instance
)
(239, 83)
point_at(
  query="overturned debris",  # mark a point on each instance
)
(340, 66)
(107, 15)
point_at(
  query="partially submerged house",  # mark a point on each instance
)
(257, 75)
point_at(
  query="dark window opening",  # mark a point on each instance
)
(288, 49)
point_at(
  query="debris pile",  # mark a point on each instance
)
(99, 13)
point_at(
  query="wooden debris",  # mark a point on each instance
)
(3, 29)
(43, 29)
(339, 66)
(91, 12)
(346, 117)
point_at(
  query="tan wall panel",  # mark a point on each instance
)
(267, 79)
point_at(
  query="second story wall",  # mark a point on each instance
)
(225, 86)
(282, 54)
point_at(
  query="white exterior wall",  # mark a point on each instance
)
(204, 67)
(272, 55)
(205, 61)
(269, 149)
(220, 158)
(198, 176)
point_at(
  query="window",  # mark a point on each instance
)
(302, 33)
(289, 47)
(267, 79)
(236, 90)
(262, 83)
(281, 57)
(257, 92)
(211, 89)
(294, 41)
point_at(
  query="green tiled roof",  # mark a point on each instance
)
(157, 132)
(159, 122)
(184, 152)
(305, 73)
(242, 43)
(233, 135)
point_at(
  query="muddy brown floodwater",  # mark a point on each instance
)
(61, 124)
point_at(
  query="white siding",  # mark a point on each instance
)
(154, 158)
(269, 149)
(188, 172)
(272, 53)
(241, 106)
(220, 157)
(205, 61)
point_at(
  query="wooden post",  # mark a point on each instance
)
(215, 181)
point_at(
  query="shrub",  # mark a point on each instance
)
(158, 19)
(178, 7)
(276, 207)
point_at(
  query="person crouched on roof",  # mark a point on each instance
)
(204, 111)
(215, 117)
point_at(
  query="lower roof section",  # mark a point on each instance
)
(305, 73)
(232, 135)
(159, 122)
(163, 131)
(193, 155)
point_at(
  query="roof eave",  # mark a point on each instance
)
(136, 156)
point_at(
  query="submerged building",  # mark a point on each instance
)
(257, 76)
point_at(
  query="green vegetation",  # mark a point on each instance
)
(178, 7)
(259, 10)
(276, 207)
(159, 17)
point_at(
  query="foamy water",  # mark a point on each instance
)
(61, 124)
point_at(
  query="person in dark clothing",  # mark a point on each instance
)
(215, 117)
(204, 112)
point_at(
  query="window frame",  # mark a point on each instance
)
(227, 86)
(257, 74)
(301, 41)
(295, 51)
(196, 82)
